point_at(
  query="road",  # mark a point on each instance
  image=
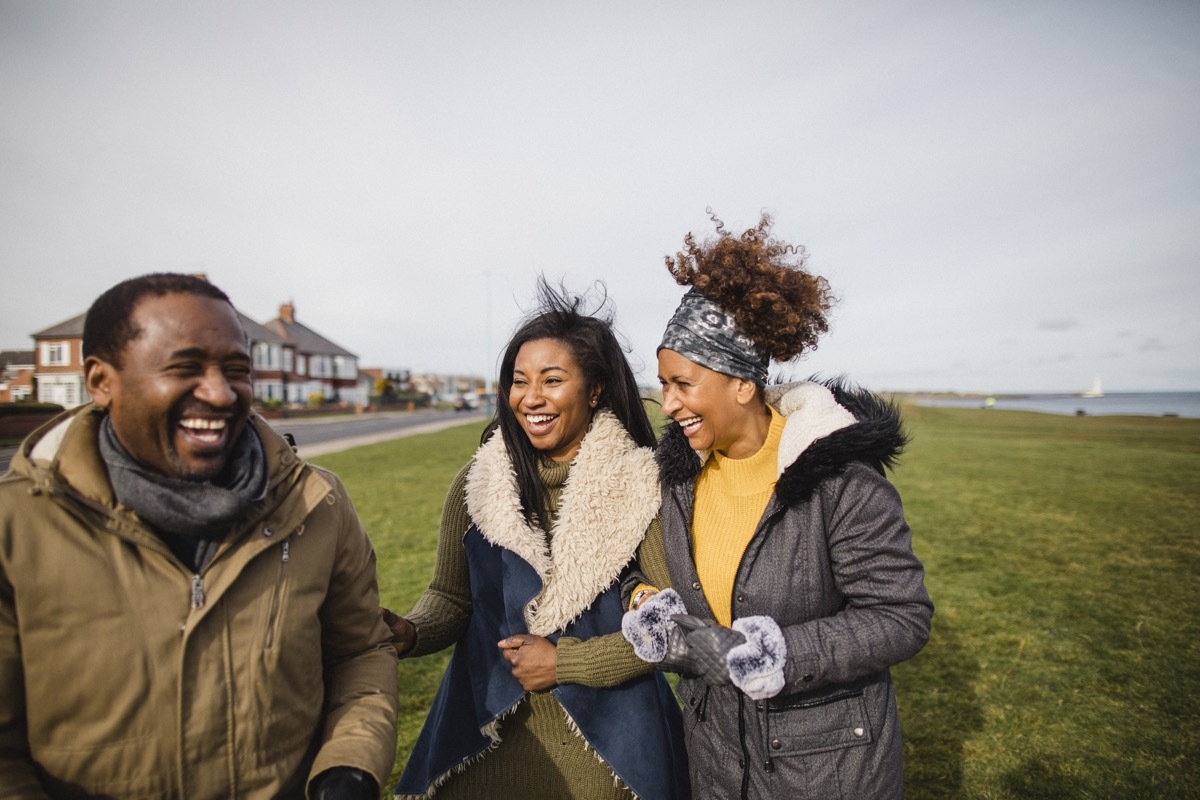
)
(315, 437)
(321, 435)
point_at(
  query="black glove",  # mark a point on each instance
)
(344, 783)
(700, 646)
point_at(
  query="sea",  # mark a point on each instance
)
(1145, 404)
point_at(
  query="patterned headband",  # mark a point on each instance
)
(701, 332)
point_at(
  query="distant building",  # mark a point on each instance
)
(16, 375)
(58, 365)
(315, 365)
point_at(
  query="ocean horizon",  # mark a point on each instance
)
(1142, 404)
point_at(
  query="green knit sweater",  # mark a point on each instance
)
(539, 755)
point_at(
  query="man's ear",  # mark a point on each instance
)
(98, 376)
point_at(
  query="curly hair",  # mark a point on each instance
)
(762, 281)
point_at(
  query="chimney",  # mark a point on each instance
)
(287, 313)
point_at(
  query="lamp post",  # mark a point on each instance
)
(487, 339)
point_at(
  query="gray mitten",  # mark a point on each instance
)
(649, 627)
(757, 667)
(708, 645)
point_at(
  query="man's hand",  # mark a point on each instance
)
(344, 783)
(533, 660)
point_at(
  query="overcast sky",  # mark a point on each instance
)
(1005, 196)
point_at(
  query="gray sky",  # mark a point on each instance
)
(1005, 196)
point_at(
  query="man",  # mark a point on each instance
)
(187, 610)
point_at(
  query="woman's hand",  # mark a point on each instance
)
(404, 633)
(533, 660)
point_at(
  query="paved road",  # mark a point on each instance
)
(317, 436)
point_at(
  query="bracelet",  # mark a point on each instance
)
(640, 596)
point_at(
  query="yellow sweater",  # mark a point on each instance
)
(731, 495)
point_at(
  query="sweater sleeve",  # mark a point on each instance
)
(443, 611)
(600, 662)
(652, 556)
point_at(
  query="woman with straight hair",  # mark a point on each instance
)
(543, 696)
(789, 583)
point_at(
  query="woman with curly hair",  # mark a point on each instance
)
(543, 697)
(785, 584)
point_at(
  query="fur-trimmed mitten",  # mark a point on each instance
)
(756, 666)
(648, 627)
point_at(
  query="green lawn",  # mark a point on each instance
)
(1063, 554)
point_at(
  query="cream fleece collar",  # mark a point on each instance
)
(812, 413)
(610, 497)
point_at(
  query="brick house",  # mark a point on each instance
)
(315, 365)
(16, 375)
(58, 363)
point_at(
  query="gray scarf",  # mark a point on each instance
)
(702, 332)
(189, 516)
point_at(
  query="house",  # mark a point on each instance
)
(314, 366)
(16, 375)
(58, 363)
(292, 363)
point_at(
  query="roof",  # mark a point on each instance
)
(17, 357)
(70, 327)
(259, 333)
(307, 340)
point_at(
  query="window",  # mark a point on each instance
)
(56, 354)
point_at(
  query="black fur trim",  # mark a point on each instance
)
(677, 462)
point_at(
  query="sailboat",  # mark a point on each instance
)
(1095, 391)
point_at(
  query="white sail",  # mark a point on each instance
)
(1095, 391)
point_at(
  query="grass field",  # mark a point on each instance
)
(1063, 554)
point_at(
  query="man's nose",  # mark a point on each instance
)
(214, 389)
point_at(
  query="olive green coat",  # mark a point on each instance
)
(122, 674)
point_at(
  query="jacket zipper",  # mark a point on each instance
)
(273, 617)
(197, 591)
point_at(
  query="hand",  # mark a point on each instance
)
(707, 647)
(404, 633)
(344, 783)
(533, 660)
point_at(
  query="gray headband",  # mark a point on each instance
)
(701, 332)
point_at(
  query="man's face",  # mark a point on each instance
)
(181, 397)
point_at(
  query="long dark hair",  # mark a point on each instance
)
(561, 315)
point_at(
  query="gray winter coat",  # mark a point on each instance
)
(832, 563)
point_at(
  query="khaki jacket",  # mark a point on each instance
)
(122, 674)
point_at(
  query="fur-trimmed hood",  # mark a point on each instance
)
(609, 500)
(829, 424)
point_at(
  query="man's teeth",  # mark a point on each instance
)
(539, 418)
(204, 424)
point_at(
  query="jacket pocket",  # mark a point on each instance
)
(799, 724)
